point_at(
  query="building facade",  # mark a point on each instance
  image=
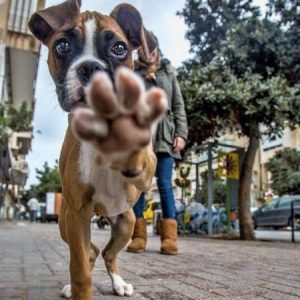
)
(19, 55)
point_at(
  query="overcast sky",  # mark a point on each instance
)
(50, 122)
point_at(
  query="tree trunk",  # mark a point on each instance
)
(246, 227)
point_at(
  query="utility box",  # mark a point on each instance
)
(53, 206)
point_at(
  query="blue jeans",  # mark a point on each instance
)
(163, 174)
(32, 214)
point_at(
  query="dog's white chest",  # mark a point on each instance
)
(108, 184)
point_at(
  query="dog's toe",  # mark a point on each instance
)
(123, 289)
(66, 292)
(119, 290)
(128, 289)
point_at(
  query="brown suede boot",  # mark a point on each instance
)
(139, 237)
(168, 237)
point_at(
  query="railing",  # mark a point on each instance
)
(19, 14)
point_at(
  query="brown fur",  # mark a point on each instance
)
(49, 26)
(78, 209)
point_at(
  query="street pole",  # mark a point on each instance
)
(228, 204)
(197, 183)
(293, 221)
(210, 189)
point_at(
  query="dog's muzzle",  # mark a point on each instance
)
(87, 69)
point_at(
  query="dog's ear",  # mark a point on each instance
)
(44, 23)
(130, 20)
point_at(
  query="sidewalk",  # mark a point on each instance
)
(34, 266)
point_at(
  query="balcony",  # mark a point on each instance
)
(18, 172)
(20, 143)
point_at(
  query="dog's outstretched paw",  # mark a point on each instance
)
(120, 287)
(66, 292)
(118, 120)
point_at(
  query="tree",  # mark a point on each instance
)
(287, 14)
(208, 22)
(241, 85)
(14, 119)
(49, 181)
(285, 172)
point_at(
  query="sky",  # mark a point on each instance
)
(50, 122)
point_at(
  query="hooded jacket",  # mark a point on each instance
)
(174, 124)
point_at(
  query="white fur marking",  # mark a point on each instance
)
(89, 54)
(66, 292)
(90, 29)
(120, 287)
(108, 184)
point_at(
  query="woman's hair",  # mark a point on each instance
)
(156, 39)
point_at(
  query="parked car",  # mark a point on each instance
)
(277, 213)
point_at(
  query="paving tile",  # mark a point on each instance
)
(34, 265)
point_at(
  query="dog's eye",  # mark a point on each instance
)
(62, 47)
(119, 50)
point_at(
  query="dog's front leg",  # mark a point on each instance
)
(122, 229)
(79, 239)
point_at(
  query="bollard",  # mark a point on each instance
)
(293, 221)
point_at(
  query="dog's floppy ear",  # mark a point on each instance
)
(44, 23)
(130, 20)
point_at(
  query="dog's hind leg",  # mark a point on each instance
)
(121, 231)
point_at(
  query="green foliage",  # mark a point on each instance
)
(217, 99)
(256, 46)
(243, 78)
(286, 12)
(19, 119)
(285, 172)
(15, 119)
(3, 125)
(49, 181)
(208, 22)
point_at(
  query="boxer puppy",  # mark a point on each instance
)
(106, 160)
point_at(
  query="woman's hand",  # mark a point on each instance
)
(178, 144)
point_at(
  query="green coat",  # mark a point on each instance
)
(174, 123)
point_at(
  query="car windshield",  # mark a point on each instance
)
(270, 205)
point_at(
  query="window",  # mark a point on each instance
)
(284, 202)
(270, 205)
(19, 14)
(268, 143)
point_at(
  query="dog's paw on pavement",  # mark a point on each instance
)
(120, 287)
(66, 292)
(120, 119)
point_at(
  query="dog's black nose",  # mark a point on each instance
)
(86, 70)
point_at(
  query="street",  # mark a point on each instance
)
(34, 266)
(276, 235)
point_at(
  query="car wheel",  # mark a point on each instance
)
(254, 224)
(276, 227)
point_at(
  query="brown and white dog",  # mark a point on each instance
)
(106, 159)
